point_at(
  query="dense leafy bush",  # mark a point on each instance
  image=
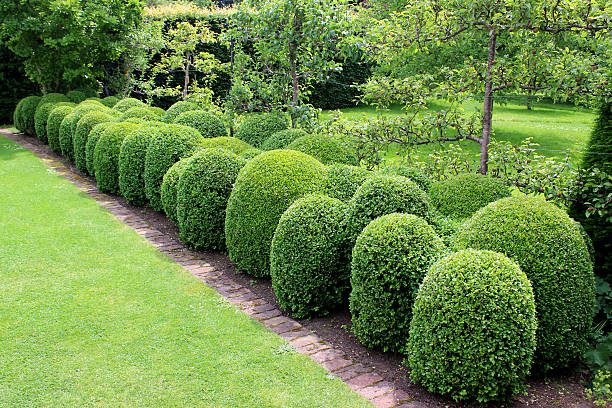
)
(405, 170)
(142, 112)
(54, 122)
(209, 125)
(472, 334)
(126, 104)
(281, 139)
(79, 141)
(169, 188)
(41, 116)
(110, 101)
(132, 163)
(325, 148)
(250, 153)
(170, 144)
(82, 110)
(342, 180)
(264, 189)
(53, 98)
(106, 156)
(203, 191)
(159, 111)
(23, 117)
(462, 195)
(549, 248)
(178, 108)
(309, 271)
(76, 96)
(390, 260)
(231, 144)
(69, 124)
(92, 141)
(256, 128)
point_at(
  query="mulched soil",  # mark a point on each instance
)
(560, 390)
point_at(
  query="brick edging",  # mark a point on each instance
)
(363, 380)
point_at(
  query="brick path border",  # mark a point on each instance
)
(363, 380)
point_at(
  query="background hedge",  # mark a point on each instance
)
(282, 138)
(255, 128)
(207, 123)
(325, 148)
(14, 84)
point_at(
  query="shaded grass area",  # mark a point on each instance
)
(93, 315)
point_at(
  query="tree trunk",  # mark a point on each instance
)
(186, 85)
(488, 105)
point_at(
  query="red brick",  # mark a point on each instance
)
(277, 320)
(335, 364)
(325, 355)
(376, 390)
(267, 314)
(306, 340)
(285, 327)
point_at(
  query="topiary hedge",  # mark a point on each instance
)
(209, 125)
(281, 139)
(309, 271)
(54, 123)
(106, 156)
(142, 112)
(405, 170)
(256, 128)
(325, 148)
(110, 101)
(549, 248)
(390, 260)
(126, 104)
(472, 335)
(342, 180)
(264, 189)
(69, 124)
(231, 144)
(90, 147)
(52, 97)
(462, 195)
(81, 134)
(76, 96)
(170, 144)
(169, 188)
(250, 153)
(42, 115)
(203, 192)
(178, 108)
(23, 117)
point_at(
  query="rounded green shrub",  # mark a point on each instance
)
(54, 123)
(110, 101)
(281, 139)
(82, 110)
(53, 98)
(178, 108)
(231, 144)
(342, 180)
(256, 128)
(23, 117)
(264, 189)
(126, 104)
(88, 92)
(69, 124)
(92, 141)
(325, 148)
(405, 170)
(207, 123)
(158, 111)
(106, 156)
(461, 195)
(309, 271)
(472, 335)
(250, 153)
(76, 96)
(41, 116)
(81, 134)
(170, 144)
(390, 260)
(132, 163)
(549, 248)
(142, 112)
(203, 192)
(169, 188)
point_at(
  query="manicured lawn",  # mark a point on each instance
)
(92, 315)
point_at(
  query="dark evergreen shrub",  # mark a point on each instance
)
(53, 98)
(81, 134)
(325, 148)
(42, 115)
(110, 101)
(250, 153)
(342, 180)
(208, 124)
(169, 188)
(90, 146)
(54, 122)
(256, 128)
(281, 139)
(23, 117)
(76, 96)
(106, 156)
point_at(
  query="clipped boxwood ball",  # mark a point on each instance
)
(405, 170)
(23, 117)
(158, 111)
(462, 195)
(81, 134)
(207, 123)
(549, 248)
(178, 108)
(250, 153)
(256, 128)
(106, 156)
(54, 123)
(42, 115)
(264, 189)
(169, 188)
(281, 139)
(325, 148)
(142, 112)
(203, 191)
(88, 92)
(110, 101)
(170, 144)
(69, 124)
(309, 271)
(472, 335)
(92, 141)
(76, 96)
(390, 260)
(342, 180)
(126, 104)
(231, 144)
(53, 98)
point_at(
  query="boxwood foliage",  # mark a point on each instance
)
(88, 92)
(110, 101)
(178, 108)
(325, 148)
(54, 122)
(79, 141)
(52, 97)
(203, 192)
(257, 127)
(207, 123)
(461, 195)
(126, 104)
(390, 260)
(231, 144)
(132, 163)
(142, 112)
(472, 335)
(264, 189)
(106, 156)
(342, 180)
(69, 124)
(90, 147)
(42, 115)
(23, 117)
(380, 195)
(250, 153)
(76, 96)
(281, 139)
(309, 271)
(170, 144)
(169, 188)
(406, 170)
(549, 248)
